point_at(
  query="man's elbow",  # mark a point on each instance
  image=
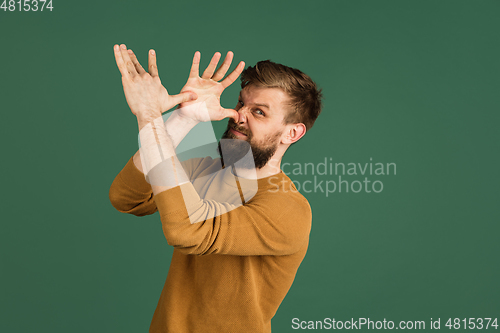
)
(121, 204)
(116, 199)
(183, 240)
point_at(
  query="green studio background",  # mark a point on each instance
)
(414, 83)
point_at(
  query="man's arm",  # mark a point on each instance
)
(172, 125)
(130, 192)
(205, 88)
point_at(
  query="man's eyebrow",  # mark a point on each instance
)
(257, 104)
(262, 104)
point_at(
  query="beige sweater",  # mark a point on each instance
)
(230, 271)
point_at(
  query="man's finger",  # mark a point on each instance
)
(183, 97)
(230, 113)
(195, 67)
(219, 74)
(136, 63)
(207, 74)
(128, 62)
(120, 62)
(234, 75)
(152, 68)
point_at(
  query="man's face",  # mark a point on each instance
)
(262, 111)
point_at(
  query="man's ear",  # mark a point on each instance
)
(293, 132)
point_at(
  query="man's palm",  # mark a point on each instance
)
(209, 89)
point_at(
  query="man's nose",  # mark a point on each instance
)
(243, 115)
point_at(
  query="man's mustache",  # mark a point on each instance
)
(232, 125)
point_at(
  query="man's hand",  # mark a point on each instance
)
(146, 96)
(209, 89)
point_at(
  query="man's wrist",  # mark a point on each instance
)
(178, 126)
(179, 118)
(147, 118)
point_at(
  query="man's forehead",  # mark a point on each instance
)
(273, 98)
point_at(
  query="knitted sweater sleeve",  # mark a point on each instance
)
(130, 192)
(275, 223)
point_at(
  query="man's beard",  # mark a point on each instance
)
(232, 150)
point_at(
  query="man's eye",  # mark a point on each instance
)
(240, 103)
(259, 112)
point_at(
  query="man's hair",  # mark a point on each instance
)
(305, 97)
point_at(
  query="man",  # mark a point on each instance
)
(239, 229)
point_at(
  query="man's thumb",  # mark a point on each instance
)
(230, 113)
(184, 97)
